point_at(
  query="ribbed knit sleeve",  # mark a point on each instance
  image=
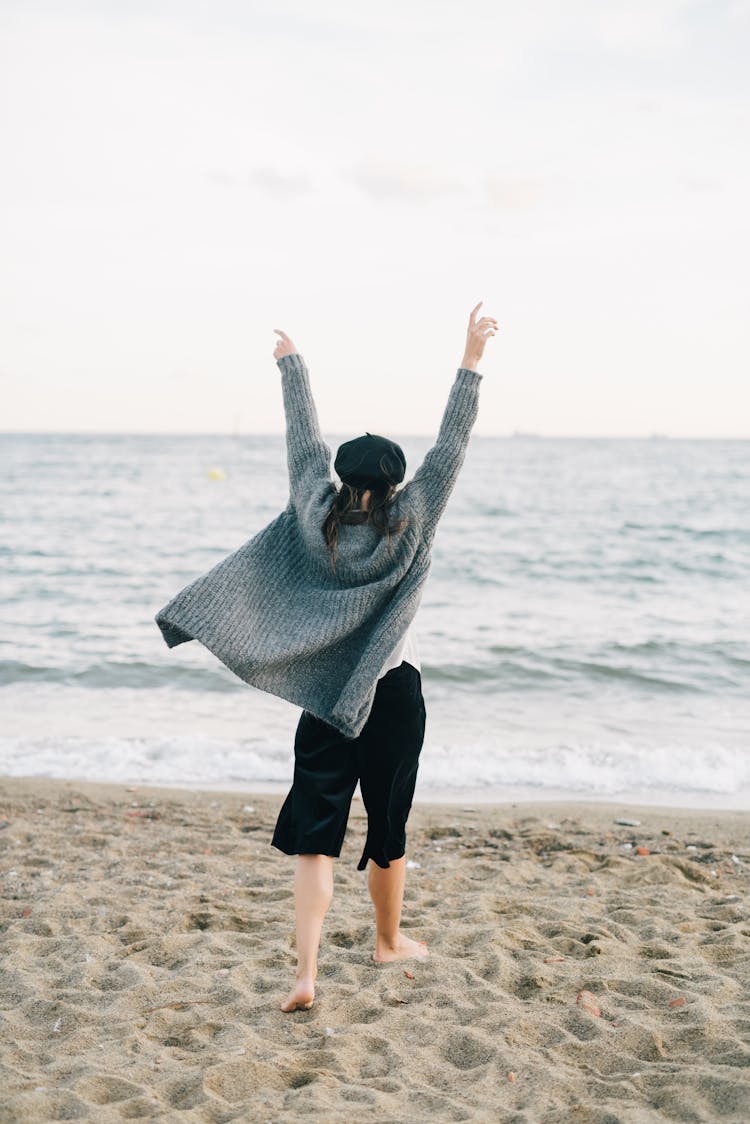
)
(307, 453)
(433, 482)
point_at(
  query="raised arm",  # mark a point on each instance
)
(308, 456)
(432, 484)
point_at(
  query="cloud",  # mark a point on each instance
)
(701, 184)
(270, 180)
(410, 183)
(513, 195)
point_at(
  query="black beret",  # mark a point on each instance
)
(370, 460)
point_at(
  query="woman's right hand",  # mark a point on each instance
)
(284, 346)
(477, 335)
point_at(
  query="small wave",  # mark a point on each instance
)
(512, 675)
(507, 674)
(663, 664)
(591, 668)
(670, 772)
(592, 768)
(159, 760)
(494, 511)
(111, 674)
(740, 534)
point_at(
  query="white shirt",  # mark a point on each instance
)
(406, 650)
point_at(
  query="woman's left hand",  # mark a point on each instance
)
(284, 346)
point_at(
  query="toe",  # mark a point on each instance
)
(292, 1002)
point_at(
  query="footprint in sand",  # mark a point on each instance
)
(466, 1051)
(105, 1089)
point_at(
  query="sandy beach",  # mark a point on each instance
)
(580, 969)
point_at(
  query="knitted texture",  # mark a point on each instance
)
(275, 613)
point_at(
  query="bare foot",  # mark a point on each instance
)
(301, 995)
(404, 949)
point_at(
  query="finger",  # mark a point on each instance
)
(474, 312)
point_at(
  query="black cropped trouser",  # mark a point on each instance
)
(327, 765)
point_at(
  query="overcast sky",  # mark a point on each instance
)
(179, 179)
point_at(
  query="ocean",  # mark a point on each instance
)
(584, 631)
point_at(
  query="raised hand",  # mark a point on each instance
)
(284, 346)
(477, 335)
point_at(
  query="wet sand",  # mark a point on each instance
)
(147, 940)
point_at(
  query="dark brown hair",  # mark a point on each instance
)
(346, 508)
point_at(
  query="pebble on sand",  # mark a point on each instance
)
(587, 1000)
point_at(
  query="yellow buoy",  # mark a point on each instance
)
(216, 474)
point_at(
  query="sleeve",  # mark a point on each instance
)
(308, 456)
(433, 482)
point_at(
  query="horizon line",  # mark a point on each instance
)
(513, 435)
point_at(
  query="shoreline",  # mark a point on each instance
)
(578, 968)
(599, 815)
(486, 797)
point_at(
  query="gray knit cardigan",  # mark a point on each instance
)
(275, 612)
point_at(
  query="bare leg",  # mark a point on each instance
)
(313, 890)
(387, 892)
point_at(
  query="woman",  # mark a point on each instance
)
(316, 608)
(384, 756)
